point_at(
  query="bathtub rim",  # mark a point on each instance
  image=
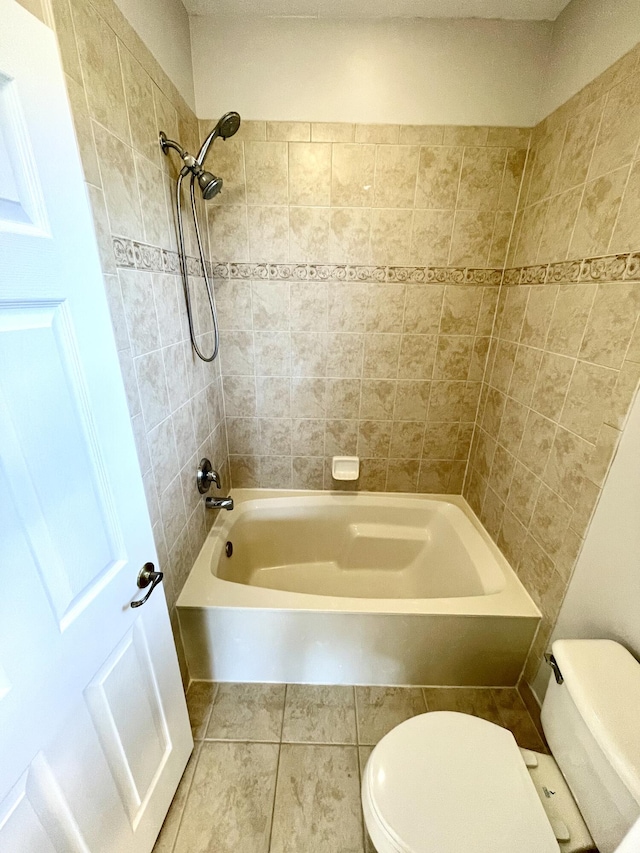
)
(204, 589)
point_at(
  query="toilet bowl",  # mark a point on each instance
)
(445, 782)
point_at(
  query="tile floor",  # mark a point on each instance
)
(276, 768)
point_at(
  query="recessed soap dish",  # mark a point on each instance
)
(345, 467)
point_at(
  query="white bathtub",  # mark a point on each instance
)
(336, 588)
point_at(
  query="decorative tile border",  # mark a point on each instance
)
(130, 254)
(608, 268)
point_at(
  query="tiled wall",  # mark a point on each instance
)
(564, 362)
(357, 277)
(120, 99)
(336, 339)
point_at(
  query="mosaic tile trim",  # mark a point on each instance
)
(608, 268)
(130, 254)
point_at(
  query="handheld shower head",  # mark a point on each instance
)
(227, 126)
(209, 185)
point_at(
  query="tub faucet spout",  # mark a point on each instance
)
(219, 503)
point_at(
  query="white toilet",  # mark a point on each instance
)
(446, 782)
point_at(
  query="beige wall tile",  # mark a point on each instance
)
(460, 310)
(307, 437)
(626, 235)
(421, 134)
(347, 306)
(308, 306)
(381, 354)
(349, 235)
(544, 169)
(416, 357)
(385, 308)
(270, 305)
(309, 234)
(345, 353)
(154, 208)
(227, 161)
(66, 39)
(577, 150)
(310, 173)
(352, 175)
(307, 472)
(530, 234)
(551, 385)
(402, 475)
(380, 133)
(272, 352)
(120, 185)
(431, 237)
(332, 132)
(587, 399)
(611, 324)
(395, 175)
(569, 318)
(308, 397)
(598, 213)
(471, 239)
(537, 441)
(249, 131)
(438, 177)
(84, 132)
(266, 172)
(98, 50)
(228, 234)
(139, 99)
(512, 180)
(500, 240)
(377, 400)
(343, 397)
(289, 131)
(620, 128)
(268, 233)
(374, 438)
(391, 236)
(515, 137)
(424, 308)
(102, 229)
(558, 226)
(567, 463)
(465, 135)
(481, 178)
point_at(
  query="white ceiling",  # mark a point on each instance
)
(531, 10)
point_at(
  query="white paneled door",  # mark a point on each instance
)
(94, 733)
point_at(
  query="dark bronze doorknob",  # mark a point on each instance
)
(146, 576)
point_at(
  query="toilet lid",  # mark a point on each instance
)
(445, 782)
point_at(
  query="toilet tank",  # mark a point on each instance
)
(592, 724)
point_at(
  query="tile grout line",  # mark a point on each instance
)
(277, 773)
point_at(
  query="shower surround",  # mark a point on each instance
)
(564, 362)
(358, 270)
(399, 292)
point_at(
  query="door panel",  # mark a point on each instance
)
(73, 531)
(94, 733)
(128, 715)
